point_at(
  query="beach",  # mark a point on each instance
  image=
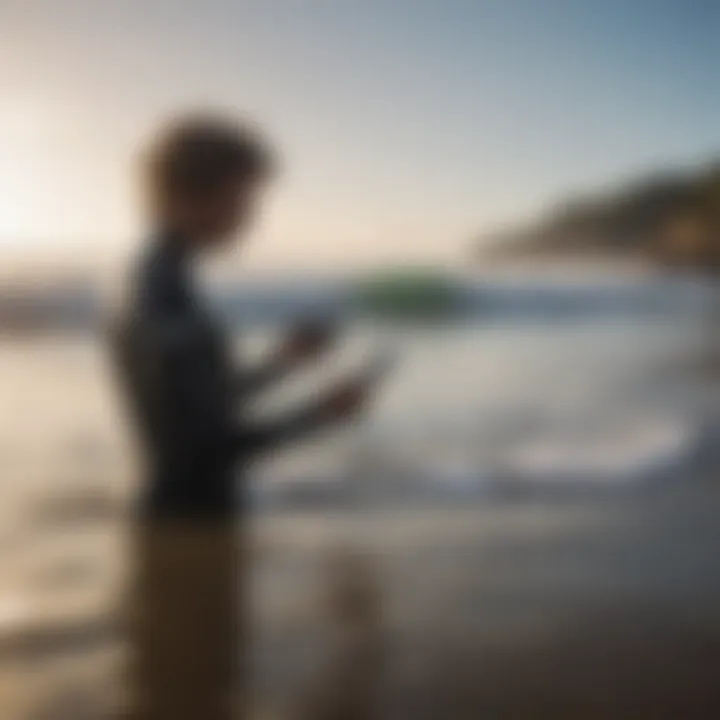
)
(534, 499)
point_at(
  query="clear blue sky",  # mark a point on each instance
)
(407, 125)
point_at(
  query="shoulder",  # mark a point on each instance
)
(158, 286)
(156, 306)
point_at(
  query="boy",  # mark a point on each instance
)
(205, 178)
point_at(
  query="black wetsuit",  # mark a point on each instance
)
(185, 393)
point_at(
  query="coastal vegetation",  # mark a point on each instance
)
(418, 294)
(667, 219)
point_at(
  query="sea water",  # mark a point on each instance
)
(596, 394)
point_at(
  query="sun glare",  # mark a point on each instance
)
(21, 128)
(16, 216)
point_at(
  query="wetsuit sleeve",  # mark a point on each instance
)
(256, 437)
(199, 407)
(251, 381)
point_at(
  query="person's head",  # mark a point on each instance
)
(204, 174)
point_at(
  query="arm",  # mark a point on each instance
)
(251, 381)
(200, 416)
(203, 424)
(306, 342)
(340, 403)
(250, 439)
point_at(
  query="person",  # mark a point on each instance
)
(205, 178)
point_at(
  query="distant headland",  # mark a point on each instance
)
(665, 219)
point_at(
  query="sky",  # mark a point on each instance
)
(407, 127)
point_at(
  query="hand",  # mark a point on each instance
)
(306, 342)
(346, 400)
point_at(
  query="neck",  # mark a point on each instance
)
(175, 241)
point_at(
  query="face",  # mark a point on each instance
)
(229, 213)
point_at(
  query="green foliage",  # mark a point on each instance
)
(414, 294)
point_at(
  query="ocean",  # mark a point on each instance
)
(499, 438)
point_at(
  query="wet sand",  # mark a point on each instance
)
(580, 604)
(604, 606)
